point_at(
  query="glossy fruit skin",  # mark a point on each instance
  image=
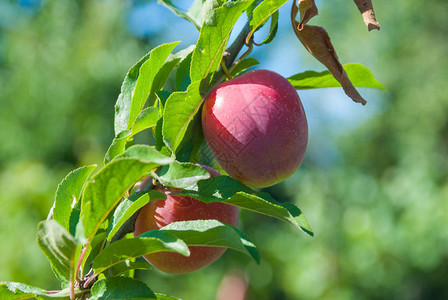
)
(159, 213)
(256, 127)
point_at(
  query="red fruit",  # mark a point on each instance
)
(256, 127)
(159, 213)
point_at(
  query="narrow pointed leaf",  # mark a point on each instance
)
(68, 192)
(359, 75)
(231, 191)
(243, 65)
(166, 297)
(190, 15)
(262, 13)
(20, 291)
(149, 242)
(115, 288)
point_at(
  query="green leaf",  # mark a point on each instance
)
(118, 145)
(192, 15)
(129, 265)
(263, 12)
(181, 109)
(162, 76)
(147, 243)
(59, 247)
(231, 191)
(213, 233)
(138, 86)
(208, 7)
(273, 28)
(180, 175)
(166, 297)
(68, 193)
(147, 118)
(213, 39)
(123, 105)
(95, 247)
(183, 80)
(128, 207)
(114, 288)
(359, 75)
(16, 291)
(243, 66)
(104, 192)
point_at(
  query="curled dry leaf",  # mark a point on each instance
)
(366, 9)
(317, 42)
(308, 9)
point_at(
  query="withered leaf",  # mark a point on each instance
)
(366, 9)
(308, 9)
(317, 42)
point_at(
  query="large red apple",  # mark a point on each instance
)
(159, 213)
(256, 127)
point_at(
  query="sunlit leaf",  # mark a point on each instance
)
(147, 243)
(68, 192)
(262, 13)
(181, 109)
(213, 233)
(231, 191)
(359, 75)
(213, 39)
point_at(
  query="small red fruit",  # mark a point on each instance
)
(159, 213)
(256, 127)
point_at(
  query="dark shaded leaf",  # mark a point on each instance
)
(59, 247)
(114, 288)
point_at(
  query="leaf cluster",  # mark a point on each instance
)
(86, 237)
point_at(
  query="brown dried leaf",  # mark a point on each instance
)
(366, 9)
(317, 42)
(308, 9)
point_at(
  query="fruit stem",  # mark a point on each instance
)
(225, 70)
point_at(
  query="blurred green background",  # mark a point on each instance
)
(373, 185)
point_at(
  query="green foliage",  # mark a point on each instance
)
(68, 193)
(59, 247)
(121, 288)
(85, 238)
(213, 38)
(359, 75)
(212, 233)
(149, 242)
